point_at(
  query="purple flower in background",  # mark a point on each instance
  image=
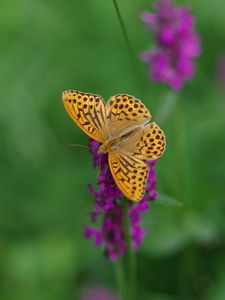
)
(171, 61)
(107, 212)
(98, 293)
(221, 70)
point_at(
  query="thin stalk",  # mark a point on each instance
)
(130, 256)
(183, 182)
(130, 49)
(120, 279)
(167, 107)
(181, 149)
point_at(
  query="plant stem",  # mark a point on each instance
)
(181, 150)
(130, 49)
(120, 279)
(167, 107)
(131, 258)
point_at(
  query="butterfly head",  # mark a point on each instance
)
(108, 145)
(103, 149)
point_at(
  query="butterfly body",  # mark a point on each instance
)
(108, 145)
(113, 144)
(121, 126)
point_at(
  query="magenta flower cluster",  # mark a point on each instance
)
(107, 213)
(221, 70)
(98, 293)
(176, 44)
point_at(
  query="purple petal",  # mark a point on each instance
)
(149, 18)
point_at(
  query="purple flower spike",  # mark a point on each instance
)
(171, 61)
(108, 211)
(98, 293)
(221, 70)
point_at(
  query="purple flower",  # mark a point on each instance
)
(98, 293)
(177, 43)
(221, 70)
(108, 211)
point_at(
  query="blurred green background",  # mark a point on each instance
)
(49, 46)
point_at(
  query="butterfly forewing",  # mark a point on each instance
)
(124, 112)
(130, 174)
(88, 112)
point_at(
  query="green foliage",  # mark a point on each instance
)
(49, 46)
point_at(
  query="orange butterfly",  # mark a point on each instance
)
(121, 126)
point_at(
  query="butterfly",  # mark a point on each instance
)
(122, 127)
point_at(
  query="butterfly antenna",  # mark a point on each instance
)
(78, 145)
(83, 146)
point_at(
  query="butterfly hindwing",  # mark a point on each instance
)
(124, 112)
(88, 112)
(152, 144)
(146, 142)
(130, 174)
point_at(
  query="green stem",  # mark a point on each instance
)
(120, 279)
(130, 49)
(167, 107)
(181, 150)
(131, 258)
